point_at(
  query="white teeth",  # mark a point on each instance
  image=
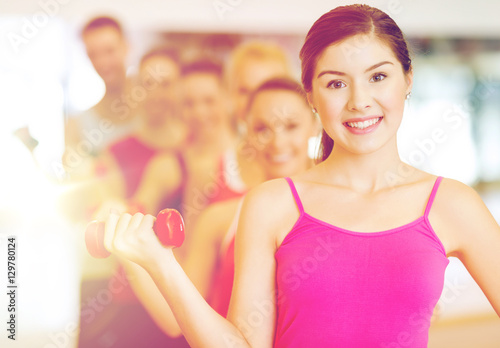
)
(364, 124)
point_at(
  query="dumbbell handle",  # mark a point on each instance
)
(168, 227)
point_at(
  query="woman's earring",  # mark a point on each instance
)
(408, 95)
(315, 112)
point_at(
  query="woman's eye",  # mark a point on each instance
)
(336, 84)
(378, 77)
(291, 126)
(261, 129)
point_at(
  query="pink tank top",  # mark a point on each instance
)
(340, 288)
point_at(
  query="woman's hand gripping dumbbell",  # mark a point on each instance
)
(168, 227)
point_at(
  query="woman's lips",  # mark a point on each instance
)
(363, 126)
(280, 158)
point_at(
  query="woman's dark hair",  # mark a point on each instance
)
(101, 22)
(204, 66)
(162, 51)
(274, 84)
(339, 24)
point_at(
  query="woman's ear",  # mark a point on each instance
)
(310, 100)
(317, 127)
(409, 80)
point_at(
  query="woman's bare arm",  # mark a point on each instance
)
(474, 235)
(162, 177)
(132, 238)
(199, 266)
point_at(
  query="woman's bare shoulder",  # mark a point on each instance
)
(457, 194)
(457, 214)
(270, 195)
(270, 207)
(457, 202)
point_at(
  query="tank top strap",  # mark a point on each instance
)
(432, 196)
(295, 195)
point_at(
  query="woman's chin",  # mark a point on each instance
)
(279, 170)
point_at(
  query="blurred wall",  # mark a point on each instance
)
(423, 17)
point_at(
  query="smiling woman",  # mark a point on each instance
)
(337, 255)
(362, 96)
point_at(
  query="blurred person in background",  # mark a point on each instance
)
(279, 125)
(153, 149)
(150, 154)
(250, 64)
(233, 170)
(110, 118)
(87, 134)
(206, 109)
(210, 262)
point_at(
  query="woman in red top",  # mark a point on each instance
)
(131, 164)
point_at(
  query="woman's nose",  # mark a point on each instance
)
(278, 138)
(359, 99)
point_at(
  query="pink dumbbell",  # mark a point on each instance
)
(168, 227)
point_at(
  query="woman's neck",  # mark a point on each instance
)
(217, 140)
(169, 135)
(365, 173)
(113, 105)
(308, 163)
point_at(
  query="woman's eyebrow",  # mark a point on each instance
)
(340, 73)
(333, 72)
(377, 65)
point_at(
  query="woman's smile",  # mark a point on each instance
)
(363, 125)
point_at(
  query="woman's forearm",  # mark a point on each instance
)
(201, 325)
(153, 301)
